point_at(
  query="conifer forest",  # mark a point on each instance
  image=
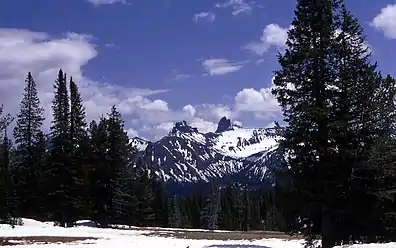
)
(337, 181)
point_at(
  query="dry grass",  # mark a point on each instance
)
(236, 235)
(40, 239)
(212, 235)
(180, 234)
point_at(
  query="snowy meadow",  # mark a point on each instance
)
(44, 234)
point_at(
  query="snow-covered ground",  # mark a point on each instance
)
(114, 238)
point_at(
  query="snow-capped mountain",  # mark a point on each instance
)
(139, 144)
(232, 152)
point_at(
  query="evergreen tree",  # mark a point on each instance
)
(246, 211)
(363, 113)
(126, 198)
(99, 177)
(40, 151)
(332, 99)
(145, 197)
(5, 179)
(112, 157)
(6, 207)
(211, 210)
(175, 218)
(5, 120)
(27, 135)
(119, 154)
(229, 208)
(78, 159)
(160, 204)
(61, 178)
(302, 87)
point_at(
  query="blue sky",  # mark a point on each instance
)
(161, 61)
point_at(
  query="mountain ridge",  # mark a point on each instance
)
(231, 153)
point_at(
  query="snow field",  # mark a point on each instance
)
(116, 238)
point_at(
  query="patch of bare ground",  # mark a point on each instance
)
(235, 235)
(40, 240)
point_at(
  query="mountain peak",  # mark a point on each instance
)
(183, 127)
(224, 125)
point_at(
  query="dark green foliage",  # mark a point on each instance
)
(28, 136)
(175, 218)
(211, 209)
(60, 198)
(336, 108)
(301, 89)
(97, 173)
(160, 203)
(5, 120)
(6, 187)
(79, 143)
(145, 197)
(112, 155)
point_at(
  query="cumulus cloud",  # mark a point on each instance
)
(102, 2)
(385, 21)
(204, 125)
(132, 133)
(190, 110)
(237, 6)
(216, 67)
(260, 102)
(273, 36)
(213, 112)
(145, 113)
(204, 16)
(43, 55)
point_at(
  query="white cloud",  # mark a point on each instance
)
(43, 55)
(144, 113)
(273, 36)
(203, 125)
(132, 133)
(176, 75)
(156, 105)
(238, 6)
(207, 16)
(190, 110)
(215, 67)
(385, 21)
(259, 102)
(213, 112)
(102, 2)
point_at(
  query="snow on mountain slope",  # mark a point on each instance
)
(243, 142)
(139, 144)
(231, 153)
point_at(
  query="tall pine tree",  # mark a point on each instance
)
(58, 174)
(27, 136)
(6, 187)
(332, 98)
(302, 88)
(78, 157)
(5, 180)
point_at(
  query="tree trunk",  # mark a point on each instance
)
(327, 233)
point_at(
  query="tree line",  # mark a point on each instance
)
(90, 171)
(77, 170)
(229, 207)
